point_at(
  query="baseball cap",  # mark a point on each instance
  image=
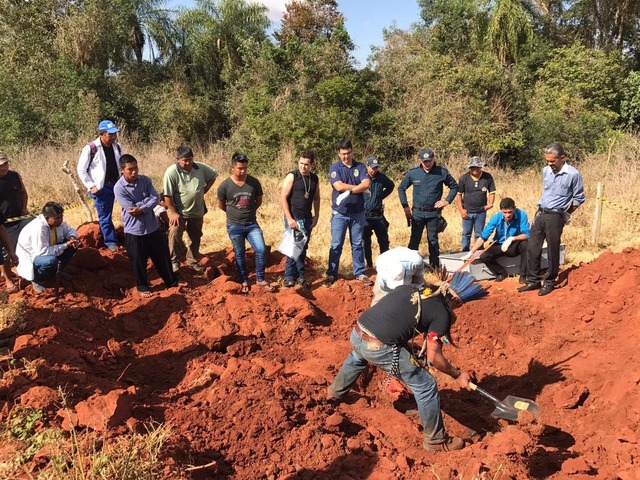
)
(3, 158)
(475, 162)
(426, 155)
(372, 162)
(108, 126)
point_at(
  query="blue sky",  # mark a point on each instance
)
(365, 19)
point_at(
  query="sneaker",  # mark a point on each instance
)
(112, 248)
(329, 280)
(304, 283)
(365, 280)
(37, 287)
(449, 445)
(290, 282)
(331, 393)
(175, 266)
(196, 267)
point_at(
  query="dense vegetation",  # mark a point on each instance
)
(498, 78)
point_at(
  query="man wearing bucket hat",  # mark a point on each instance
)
(476, 194)
(395, 267)
(382, 335)
(99, 171)
(381, 187)
(427, 180)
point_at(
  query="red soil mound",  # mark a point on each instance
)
(242, 378)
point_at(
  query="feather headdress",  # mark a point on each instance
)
(461, 285)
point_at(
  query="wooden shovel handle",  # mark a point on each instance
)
(474, 257)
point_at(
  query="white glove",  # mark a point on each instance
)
(566, 218)
(505, 246)
(466, 257)
(342, 196)
(367, 194)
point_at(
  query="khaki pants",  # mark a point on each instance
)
(193, 227)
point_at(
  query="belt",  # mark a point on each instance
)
(366, 337)
(374, 213)
(555, 211)
(424, 209)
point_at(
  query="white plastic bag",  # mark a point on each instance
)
(292, 244)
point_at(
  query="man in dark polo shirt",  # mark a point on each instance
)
(381, 187)
(240, 196)
(476, 194)
(427, 181)
(13, 205)
(349, 180)
(300, 194)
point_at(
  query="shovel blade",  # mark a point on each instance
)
(511, 406)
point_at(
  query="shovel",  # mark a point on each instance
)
(510, 407)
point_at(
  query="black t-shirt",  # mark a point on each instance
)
(393, 319)
(112, 175)
(240, 201)
(474, 194)
(302, 193)
(11, 198)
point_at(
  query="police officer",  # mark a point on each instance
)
(381, 187)
(427, 180)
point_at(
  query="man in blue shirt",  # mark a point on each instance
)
(143, 237)
(562, 194)
(427, 180)
(381, 187)
(511, 227)
(349, 180)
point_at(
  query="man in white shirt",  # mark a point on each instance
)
(99, 171)
(395, 267)
(45, 246)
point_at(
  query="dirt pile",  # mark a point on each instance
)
(241, 378)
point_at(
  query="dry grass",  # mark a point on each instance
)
(40, 168)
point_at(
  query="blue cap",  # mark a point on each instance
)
(108, 126)
(372, 162)
(425, 155)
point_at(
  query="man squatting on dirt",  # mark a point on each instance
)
(381, 337)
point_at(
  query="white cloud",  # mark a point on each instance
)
(276, 9)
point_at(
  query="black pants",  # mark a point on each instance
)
(142, 247)
(547, 226)
(490, 257)
(380, 226)
(418, 224)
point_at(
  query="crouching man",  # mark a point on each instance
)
(45, 246)
(511, 238)
(381, 338)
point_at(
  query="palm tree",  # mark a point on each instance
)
(510, 27)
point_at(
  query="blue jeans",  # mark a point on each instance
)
(252, 233)
(294, 269)
(104, 206)
(474, 223)
(339, 225)
(46, 266)
(421, 383)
